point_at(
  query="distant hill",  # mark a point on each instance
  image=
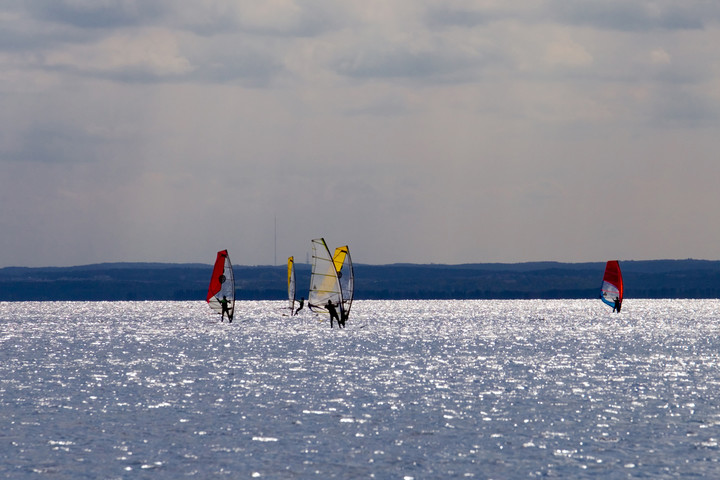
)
(162, 281)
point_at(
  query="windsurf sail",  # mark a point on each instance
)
(222, 285)
(612, 285)
(346, 276)
(291, 283)
(324, 284)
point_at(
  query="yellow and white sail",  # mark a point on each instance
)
(324, 282)
(346, 276)
(291, 283)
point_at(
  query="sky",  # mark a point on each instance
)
(421, 131)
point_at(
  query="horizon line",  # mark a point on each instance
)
(201, 264)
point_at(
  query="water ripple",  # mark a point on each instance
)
(411, 389)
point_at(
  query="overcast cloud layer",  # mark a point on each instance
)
(414, 130)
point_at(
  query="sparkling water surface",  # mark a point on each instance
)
(410, 390)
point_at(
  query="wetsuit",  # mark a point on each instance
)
(333, 314)
(224, 304)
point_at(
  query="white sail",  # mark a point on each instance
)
(324, 284)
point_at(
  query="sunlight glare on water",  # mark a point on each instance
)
(411, 389)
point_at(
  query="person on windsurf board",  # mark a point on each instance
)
(225, 309)
(333, 314)
(221, 291)
(302, 304)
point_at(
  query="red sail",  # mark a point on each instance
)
(612, 281)
(217, 276)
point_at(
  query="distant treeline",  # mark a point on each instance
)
(535, 280)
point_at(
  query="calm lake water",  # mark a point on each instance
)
(410, 390)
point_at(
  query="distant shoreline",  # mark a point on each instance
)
(530, 280)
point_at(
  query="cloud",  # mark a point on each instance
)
(272, 18)
(21, 33)
(672, 108)
(51, 143)
(567, 52)
(612, 15)
(660, 57)
(159, 55)
(636, 16)
(388, 105)
(421, 55)
(139, 54)
(468, 15)
(406, 61)
(97, 14)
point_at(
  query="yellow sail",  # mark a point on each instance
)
(346, 277)
(291, 282)
(339, 257)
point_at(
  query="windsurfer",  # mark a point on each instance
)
(616, 307)
(333, 314)
(343, 316)
(224, 304)
(302, 304)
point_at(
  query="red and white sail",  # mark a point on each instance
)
(612, 285)
(222, 284)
